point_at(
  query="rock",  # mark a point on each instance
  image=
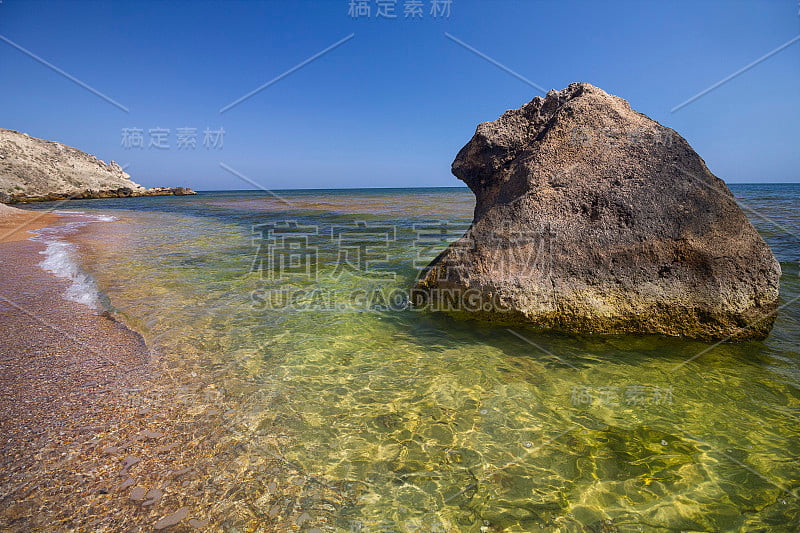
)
(137, 494)
(37, 170)
(172, 519)
(40, 168)
(593, 218)
(182, 471)
(152, 497)
(303, 518)
(166, 447)
(168, 191)
(7, 210)
(148, 434)
(198, 524)
(128, 463)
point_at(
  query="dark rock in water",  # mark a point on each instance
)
(591, 217)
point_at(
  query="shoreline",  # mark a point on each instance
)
(97, 432)
(62, 367)
(78, 404)
(121, 192)
(16, 224)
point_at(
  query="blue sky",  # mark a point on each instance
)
(392, 105)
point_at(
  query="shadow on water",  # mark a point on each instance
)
(560, 350)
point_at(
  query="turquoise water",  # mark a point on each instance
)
(434, 424)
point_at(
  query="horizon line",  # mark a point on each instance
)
(442, 187)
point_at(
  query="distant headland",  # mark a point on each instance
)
(37, 170)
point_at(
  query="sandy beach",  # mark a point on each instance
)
(62, 370)
(96, 435)
(16, 224)
(78, 411)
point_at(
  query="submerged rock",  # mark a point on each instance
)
(138, 494)
(171, 520)
(591, 217)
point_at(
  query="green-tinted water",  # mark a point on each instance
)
(438, 425)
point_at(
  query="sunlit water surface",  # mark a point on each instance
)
(441, 425)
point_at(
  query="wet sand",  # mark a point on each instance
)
(16, 224)
(74, 398)
(61, 369)
(98, 434)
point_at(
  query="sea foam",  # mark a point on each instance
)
(61, 258)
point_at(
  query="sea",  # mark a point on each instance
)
(439, 423)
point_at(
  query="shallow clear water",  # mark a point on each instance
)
(439, 425)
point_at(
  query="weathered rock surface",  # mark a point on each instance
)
(591, 217)
(34, 169)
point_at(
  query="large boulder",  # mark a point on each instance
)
(593, 218)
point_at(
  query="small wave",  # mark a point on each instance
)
(60, 261)
(61, 258)
(89, 217)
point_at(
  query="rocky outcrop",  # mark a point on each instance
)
(34, 169)
(593, 218)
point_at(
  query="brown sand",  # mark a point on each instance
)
(58, 363)
(16, 224)
(98, 434)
